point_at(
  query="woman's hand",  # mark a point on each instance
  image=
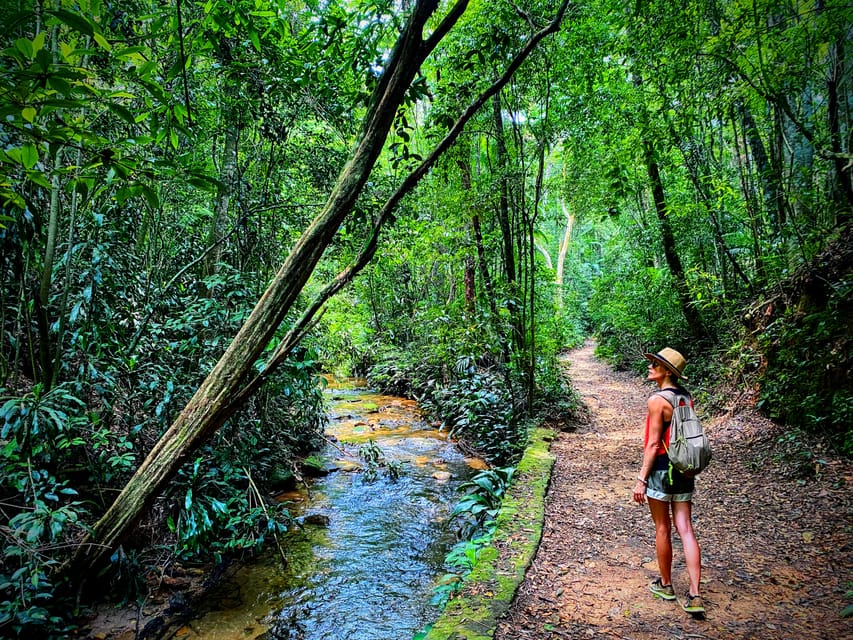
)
(640, 492)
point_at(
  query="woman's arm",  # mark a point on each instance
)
(657, 416)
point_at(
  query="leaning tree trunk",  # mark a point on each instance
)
(676, 269)
(213, 403)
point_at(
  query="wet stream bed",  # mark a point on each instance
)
(367, 570)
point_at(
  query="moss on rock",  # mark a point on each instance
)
(491, 586)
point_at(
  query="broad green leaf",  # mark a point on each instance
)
(59, 85)
(67, 51)
(122, 112)
(29, 114)
(151, 197)
(180, 112)
(25, 47)
(39, 178)
(14, 154)
(102, 41)
(75, 21)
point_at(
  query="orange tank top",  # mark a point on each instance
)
(661, 448)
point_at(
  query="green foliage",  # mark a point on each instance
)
(480, 506)
(216, 510)
(375, 461)
(477, 512)
(218, 513)
(40, 510)
(478, 406)
(632, 310)
(112, 168)
(806, 382)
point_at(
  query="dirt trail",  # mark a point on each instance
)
(776, 549)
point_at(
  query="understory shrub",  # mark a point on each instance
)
(218, 499)
(90, 433)
(41, 512)
(478, 406)
(809, 364)
(476, 515)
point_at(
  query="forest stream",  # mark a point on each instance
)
(368, 552)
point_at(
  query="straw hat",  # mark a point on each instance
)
(671, 359)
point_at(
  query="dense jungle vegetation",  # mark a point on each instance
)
(205, 204)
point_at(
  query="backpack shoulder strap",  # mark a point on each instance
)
(671, 396)
(677, 397)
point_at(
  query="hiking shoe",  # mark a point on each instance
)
(694, 606)
(661, 591)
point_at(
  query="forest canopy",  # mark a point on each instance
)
(206, 204)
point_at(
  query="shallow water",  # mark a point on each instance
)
(369, 574)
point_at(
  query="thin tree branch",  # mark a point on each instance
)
(184, 63)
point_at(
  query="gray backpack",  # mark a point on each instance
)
(689, 448)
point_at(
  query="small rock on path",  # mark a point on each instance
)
(776, 550)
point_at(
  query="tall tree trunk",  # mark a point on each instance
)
(843, 191)
(750, 197)
(213, 403)
(697, 167)
(694, 322)
(503, 192)
(537, 201)
(771, 186)
(228, 180)
(43, 307)
(470, 286)
(488, 287)
(564, 244)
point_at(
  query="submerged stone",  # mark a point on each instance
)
(317, 519)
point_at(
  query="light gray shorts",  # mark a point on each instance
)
(660, 487)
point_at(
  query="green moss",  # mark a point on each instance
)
(491, 586)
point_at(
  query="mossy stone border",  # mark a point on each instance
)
(491, 586)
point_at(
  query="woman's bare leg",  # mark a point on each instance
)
(681, 512)
(663, 538)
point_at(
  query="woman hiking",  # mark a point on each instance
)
(668, 492)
